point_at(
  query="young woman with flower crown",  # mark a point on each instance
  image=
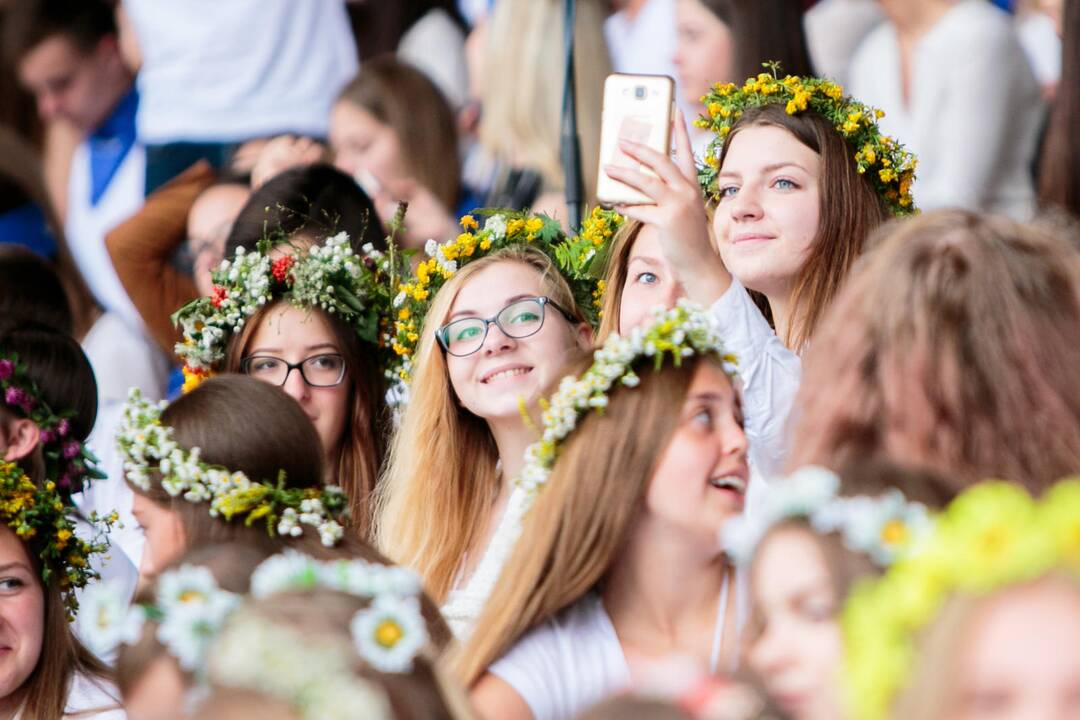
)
(47, 555)
(954, 347)
(797, 176)
(619, 561)
(492, 338)
(814, 537)
(982, 621)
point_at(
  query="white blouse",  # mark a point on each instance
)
(90, 698)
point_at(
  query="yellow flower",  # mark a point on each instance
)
(887, 175)
(485, 244)
(469, 222)
(403, 314)
(423, 274)
(533, 225)
(715, 108)
(514, 226)
(413, 337)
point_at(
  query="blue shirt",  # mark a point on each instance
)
(110, 143)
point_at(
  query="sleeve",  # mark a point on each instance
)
(436, 46)
(769, 372)
(532, 667)
(141, 248)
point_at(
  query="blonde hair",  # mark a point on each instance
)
(523, 86)
(615, 278)
(581, 521)
(441, 479)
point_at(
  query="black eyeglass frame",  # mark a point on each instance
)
(543, 300)
(245, 365)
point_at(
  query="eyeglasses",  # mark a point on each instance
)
(517, 320)
(317, 370)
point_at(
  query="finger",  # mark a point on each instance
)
(649, 185)
(684, 150)
(660, 164)
(647, 214)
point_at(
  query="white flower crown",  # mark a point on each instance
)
(880, 527)
(678, 333)
(191, 609)
(147, 447)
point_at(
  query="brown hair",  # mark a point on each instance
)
(411, 105)
(246, 426)
(850, 209)
(441, 478)
(953, 347)
(1059, 180)
(764, 31)
(581, 520)
(366, 430)
(615, 278)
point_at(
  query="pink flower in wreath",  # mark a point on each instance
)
(7, 369)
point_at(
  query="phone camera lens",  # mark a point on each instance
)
(639, 92)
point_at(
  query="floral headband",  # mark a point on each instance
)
(881, 527)
(678, 333)
(42, 515)
(991, 536)
(69, 463)
(890, 168)
(328, 276)
(579, 258)
(191, 609)
(147, 447)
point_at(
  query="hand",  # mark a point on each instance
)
(677, 212)
(426, 218)
(282, 153)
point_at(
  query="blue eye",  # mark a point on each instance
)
(704, 418)
(728, 191)
(11, 584)
(785, 184)
(647, 278)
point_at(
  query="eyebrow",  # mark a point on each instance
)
(14, 565)
(645, 259)
(769, 168)
(474, 313)
(309, 348)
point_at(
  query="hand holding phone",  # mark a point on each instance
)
(636, 108)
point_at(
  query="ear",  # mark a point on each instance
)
(584, 336)
(20, 436)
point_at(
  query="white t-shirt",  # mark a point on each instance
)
(567, 664)
(435, 45)
(975, 110)
(91, 698)
(225, 71)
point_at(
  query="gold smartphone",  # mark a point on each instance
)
(637, 108)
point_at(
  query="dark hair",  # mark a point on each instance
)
(30, 290)
(1059, 181)
(245, 426)
(31, 22)
(764, 31)
(379, 26)
(850, 209)
(413, 107)
(316, 200)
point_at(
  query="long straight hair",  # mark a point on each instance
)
(954, 347)
(1059, 181)
(441, 478)
(581, 521)
(764, 31)
(849, 210)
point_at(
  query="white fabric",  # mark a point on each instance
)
(114, 566)
(1043, 46)
(834, 29)
(975, 111)
(86, 225)
(90, 698)
(121, 359)
(769, 373)
(224, 71)
(435, 45)
(568, 663)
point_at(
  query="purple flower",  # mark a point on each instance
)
(64, 427)
(17, 397)
(7, 369)
(48, 436)
(72, 448)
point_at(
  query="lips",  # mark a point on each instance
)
(505, 372)
(752, 236)
(729, 482)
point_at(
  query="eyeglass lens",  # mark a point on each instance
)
(318, 370)
(517, 320)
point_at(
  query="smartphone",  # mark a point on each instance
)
(638, 108)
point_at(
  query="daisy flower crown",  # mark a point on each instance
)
(330, 277)
(68, 462)
(883, 527)
(190, 609)
(881, 159)
(991, 536)
(580, 259)
(40, 516)
(148, 447)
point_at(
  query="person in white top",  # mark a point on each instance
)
(462, 437)
(641, 37)
(619, 563)
(790, 215)
(954, 82)
(834, 31)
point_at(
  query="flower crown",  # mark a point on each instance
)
(881, 527)
(148, 446)
(991, 536)
(328, 276)
(69, 463)
(41, 515)
(890, 168)
(191, 609)
(677, 333)
(579, 259)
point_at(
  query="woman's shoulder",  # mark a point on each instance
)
(92, 697)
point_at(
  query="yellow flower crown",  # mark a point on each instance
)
(991, 536)
(580, 259)
(890, 168)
